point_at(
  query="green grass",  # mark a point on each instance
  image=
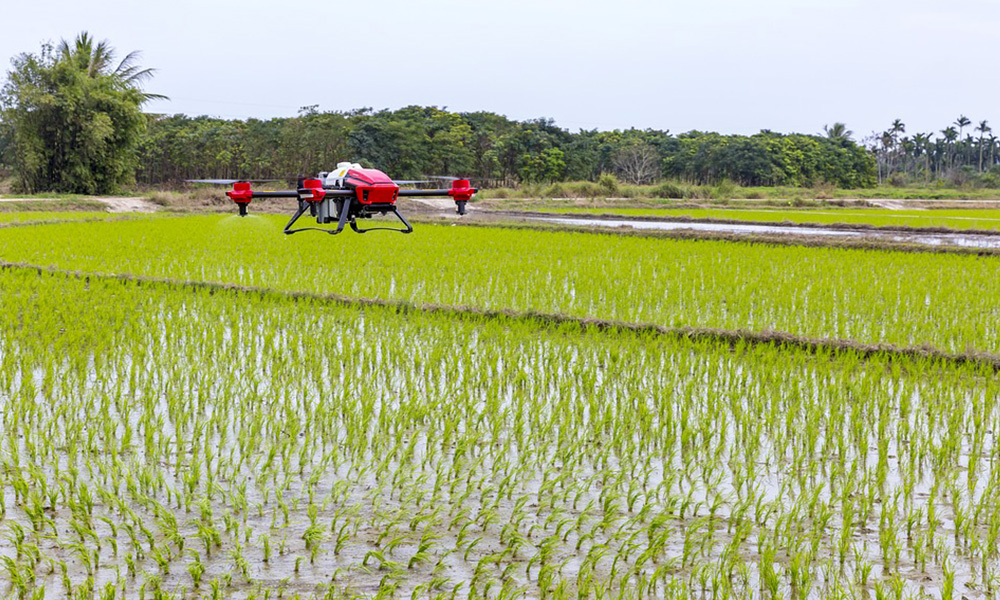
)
(955, 219)
(726, 191)
(947, 301)
(45, 216)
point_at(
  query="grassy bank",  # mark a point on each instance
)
(675, 190)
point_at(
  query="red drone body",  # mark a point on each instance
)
(345, 196)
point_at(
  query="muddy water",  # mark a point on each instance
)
(931, 239)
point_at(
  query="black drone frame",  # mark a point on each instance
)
(348, 210)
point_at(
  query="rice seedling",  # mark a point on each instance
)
(906, 299)
(169, 441)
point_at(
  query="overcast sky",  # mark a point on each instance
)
(734, 66)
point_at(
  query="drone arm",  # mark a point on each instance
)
(311, 192)
(298, 194)
(460, 191)
(423, 193)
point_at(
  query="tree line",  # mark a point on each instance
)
(963, 151)
(71, 120)
(416, 141)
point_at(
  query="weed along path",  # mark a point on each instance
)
(555, 415)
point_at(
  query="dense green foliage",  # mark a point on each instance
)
(416, 141)
(908, 299)
(72, 123)
(771, 159)
(963, 152)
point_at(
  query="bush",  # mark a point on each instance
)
(555, 190)
(823, 190)
(530, 190)
(991, 178)
(725, 190)
(161, 198)
(669, 189)
(608, 183)
(698, 193)
(897, 180)
(585, 189)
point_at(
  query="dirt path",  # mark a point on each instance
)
(121, 204)
(115, 204)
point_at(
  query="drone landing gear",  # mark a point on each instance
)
(366, 214)
(347, 212)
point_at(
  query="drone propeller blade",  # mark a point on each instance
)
(230, 181)
(453, 178)
(411, 181)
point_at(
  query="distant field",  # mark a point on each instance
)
(955, 219)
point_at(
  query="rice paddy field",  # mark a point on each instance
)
(980, 219)
(200, 407)
(50, 216)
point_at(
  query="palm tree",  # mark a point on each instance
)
(887, 142)
(895, 129)
(962, 122)
(837, 131)
(96, 59)
(983, 129)
(908, 149)
(921, 143)
(950, 134)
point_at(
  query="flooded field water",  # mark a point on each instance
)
(931, 239)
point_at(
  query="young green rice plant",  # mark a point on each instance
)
(563, 461)
(902, 298)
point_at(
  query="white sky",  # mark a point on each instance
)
(734, 66)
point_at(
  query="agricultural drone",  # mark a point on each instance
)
(345, 195)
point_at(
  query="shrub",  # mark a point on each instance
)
(608, 183)
(725, 190)
(530, 190)
(585, 189)
(669, 189)
(555, 190)
(823, 190)
(897, 180)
